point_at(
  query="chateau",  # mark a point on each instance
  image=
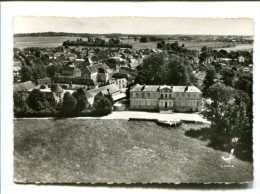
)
(166, 98)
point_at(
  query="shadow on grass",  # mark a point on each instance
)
(242, 151)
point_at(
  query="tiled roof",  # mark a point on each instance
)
(24, 86)
(94, 68)
(57, 89)
(154, 88)
(112, 89)
(42, 81)
(71, 69)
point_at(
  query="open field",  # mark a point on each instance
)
(73, 150)
(196, 45)
(23, 42)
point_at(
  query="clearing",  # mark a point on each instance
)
(71, 150)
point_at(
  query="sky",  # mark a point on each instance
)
(134, 25)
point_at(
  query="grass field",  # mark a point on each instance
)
(189, 45)
(116, 151)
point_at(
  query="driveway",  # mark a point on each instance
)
(155, 115)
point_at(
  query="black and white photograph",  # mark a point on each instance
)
(129, 97)
(105, 100)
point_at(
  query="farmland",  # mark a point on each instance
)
(23, 42)
(116, 151)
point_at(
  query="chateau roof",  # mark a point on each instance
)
(156, 88)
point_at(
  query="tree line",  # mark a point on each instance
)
(228, 106)
(161, 68)
(96, 44)
(36, 104)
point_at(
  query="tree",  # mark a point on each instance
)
(144, 39)
(245, 83)
(228, 77)
(26, 74)
(52, 70)
(223, 53)
(160, 45)
(152, 70)
(81, 98)
(36, 100)
(209, 79)
(39, 72)
(69, 103)
(228, 116)
(203, 56)
(179, 71)
(20, 105)
(102, 105)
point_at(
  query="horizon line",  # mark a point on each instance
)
(131, 33)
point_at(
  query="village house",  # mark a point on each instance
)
(71, 71)
(92, 71)
(241, 59)
(24, 87)
(166, 98)
(113, 90)
(44, 81)
(120, 82)
(16, 73)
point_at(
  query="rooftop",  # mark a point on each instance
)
(155, 88)
(112, 89)
(25, 86)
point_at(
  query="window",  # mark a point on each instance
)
(198, 103)
(165, 95)
(143, 95)
(134, 94)
(188, 95)
(170, 96)
(148, 95)
(177, 95)
(161, 95)
(182, 95)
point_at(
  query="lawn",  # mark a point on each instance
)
(116, 151)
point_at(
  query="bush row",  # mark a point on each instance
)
(92, 44)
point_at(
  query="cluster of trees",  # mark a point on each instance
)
(207, 53)
(150, 38)
(114, 41)
(161, 68)
(229, 108)
(171, 46)
(36, 104)
(98, 43)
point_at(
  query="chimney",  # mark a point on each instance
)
(143, 87)
(108, 92)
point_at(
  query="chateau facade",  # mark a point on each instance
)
(166, 98)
